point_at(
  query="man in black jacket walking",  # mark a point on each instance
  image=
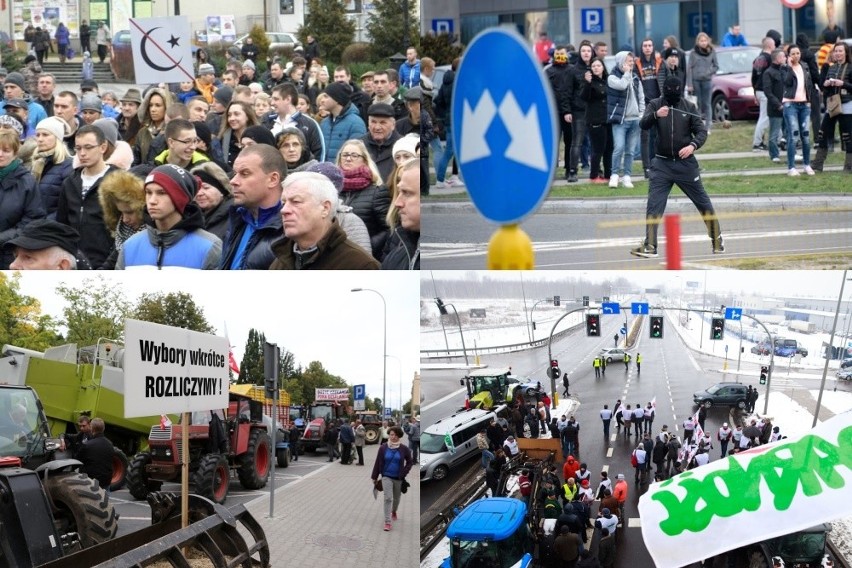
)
(680, 132)
(561, 78)
(773, 88)
(96, 455)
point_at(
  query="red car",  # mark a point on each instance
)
(733, 95)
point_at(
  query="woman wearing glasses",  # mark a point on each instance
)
(19, 199)
(362, 190)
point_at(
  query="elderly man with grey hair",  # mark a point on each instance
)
(313, 239)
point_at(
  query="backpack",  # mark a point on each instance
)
(633, 461)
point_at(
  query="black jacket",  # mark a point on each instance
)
(773, 88)
(578, 79)
(50, 184)
(85, 215)
(371, 205)
(676, 130)
(249, 51)
(594, 94)
(402, 250)
(20, 203)
(382, 153)
(96, 455)
(561, 79)
(758, 67)
(791, 82)
(216, 220)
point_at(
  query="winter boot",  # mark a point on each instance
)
(818, 160)
(847, 165)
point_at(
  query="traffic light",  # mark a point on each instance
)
(593, 328)
(764, 374)
(441, 307)
(556, 301)
(554, 369)
(585, 300)
(271, 356)
(656, 327)
(717, 328)
(606, 298)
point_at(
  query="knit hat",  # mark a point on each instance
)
(202, 131)
(88, 85)
(408, 143)
(340, 92)
(605, 511)
(13, 122)
(178, 183)
(4, 71)
(54, 125)
(110, 129)
(669, 51)
(260, 134)
(212, 174)
(15, 78)
(248, 63)
(91, 102)
(330, 171)
(29, 58)
(132, 96)
(206, 69)
(620, 476)
(223, 95)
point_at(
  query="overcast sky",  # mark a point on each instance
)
(312, 315)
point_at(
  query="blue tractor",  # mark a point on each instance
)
(491, 533)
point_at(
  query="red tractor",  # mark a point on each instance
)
(320, 415)
(218, 444)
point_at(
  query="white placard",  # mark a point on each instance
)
(162, 50)
(332, 394)
(168, 370)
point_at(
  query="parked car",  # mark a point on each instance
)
(722, 394)
(613, 355)
(732, 94)
(761, 349)
(277, 40)
(845, 374)
(436, 459)
(846, 363)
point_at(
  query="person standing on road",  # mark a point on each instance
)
(606, 418)
(626, 361)
(361, 440)
(724, 436)
(483, 445)
(620, 493)
(638, 420)
(294, 442)
(96, 455)
(649, 412)
(606, 549)
(626, 417)
(393, 463)
(638, 459)
(680, 132)
(638, 363)
(571, 433)
(412, 429)
(330, 440)
(688, 429)
(615, 340)
(658, 454)
(616, 411)
(596, 364)
(73, 442)
(702, 416)
(603, 367)
(565, 383)
(567, 547)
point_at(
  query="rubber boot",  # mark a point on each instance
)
(818, 160)
(847, 165)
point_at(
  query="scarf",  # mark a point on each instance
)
(9, 169)
(123, 232)
(357, 179)
(393, 446)
(39, 162)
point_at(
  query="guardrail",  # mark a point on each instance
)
(498, 348)
(434, 521)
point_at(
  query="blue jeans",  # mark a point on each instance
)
(775, 123)
(487, 456)
(703, 94)
(797, 117)
(625, 136)
(441, 163)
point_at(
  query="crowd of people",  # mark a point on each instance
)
(293, 169)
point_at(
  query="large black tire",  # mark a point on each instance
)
(81, 506)
(213, 477)
(120, 465)
(254, 464)
(372, 435)
(283, 457)
(137, 478)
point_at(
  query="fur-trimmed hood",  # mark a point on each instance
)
(120, 186)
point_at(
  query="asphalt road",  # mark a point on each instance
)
(670, 372)
(456, 237)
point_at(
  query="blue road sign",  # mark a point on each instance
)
(359, 392)
(442, 26)
(639, 308)
(610, 308)
(504, 126)
(726, 348)
(733, 314)
(387, 412)
(623, 331)
(592, 20)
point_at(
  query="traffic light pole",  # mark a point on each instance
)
(532, 321)
(550, 350)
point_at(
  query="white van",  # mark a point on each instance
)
(436, 460)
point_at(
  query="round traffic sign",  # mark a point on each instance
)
(504, 126)
(623, 331)
(794, 4)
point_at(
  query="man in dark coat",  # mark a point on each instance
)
(773, 87)
(347, 438)
(567, 548)
(96, 455)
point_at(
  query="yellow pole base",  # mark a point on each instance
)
(510, 248)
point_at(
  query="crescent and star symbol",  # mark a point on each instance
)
(144, 52)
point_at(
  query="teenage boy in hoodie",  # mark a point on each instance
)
(175, 235)
(648, 66)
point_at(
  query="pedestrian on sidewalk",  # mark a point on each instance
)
(294, 442)
(347, 438)
(566, 383)
(412, 430)
(330, 440)
(393, 463)
(360, 440)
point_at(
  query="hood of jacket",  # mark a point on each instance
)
(120, 186)
(620, 57)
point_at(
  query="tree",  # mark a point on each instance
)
(314, 377)
(173, 309)
(387, 27)
(251, 367)
(96, 309)
(443, 48)
(21, 322)
(326, 20)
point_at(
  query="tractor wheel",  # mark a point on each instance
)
(81, 506)
(212, 478)
(254, 464)
(137, 478)
(120, 465)
(283, 457)
(372, 435)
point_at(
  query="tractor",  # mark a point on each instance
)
(320, 415)
(372, 424)
(490, 387)
(219, 443)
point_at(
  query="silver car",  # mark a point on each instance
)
(436, 459)
(614, 355)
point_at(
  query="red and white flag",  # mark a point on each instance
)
(232, 362)
(165, 422)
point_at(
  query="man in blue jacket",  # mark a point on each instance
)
(344, 121)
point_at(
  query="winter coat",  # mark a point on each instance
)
(758, 67)
(20, 203)
(258, 253)
(50, 184)
(31, 72)
(409, 75)
(336, 131)
(379, 466)
(371, 205)
(834, 72)
(62, 35)
(356, 230)
(85, 215)
(677, 129)
(648, 71)
(702, 66)
(42, 40)
(791, 82)
(334, 252)
(561, 78)
(594, 94)
(622, 92)
(382, 153)
(402, 250)
(249, 51)
(773, 87)
(216, 220)
(578, 79)
(443, 100)
(185, 245)
(665, 73)
(97, 456)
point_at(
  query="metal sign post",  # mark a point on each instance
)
(271, 356)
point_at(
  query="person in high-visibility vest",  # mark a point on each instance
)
(596, 363)
(626, 361)
(638, 362)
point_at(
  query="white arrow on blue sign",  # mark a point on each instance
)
(733, 313)
(623, 331)
(610, 308)
(639, 308)
(504, 126)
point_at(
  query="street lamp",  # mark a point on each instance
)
(384, 358)
(399, 366)
(442, 307)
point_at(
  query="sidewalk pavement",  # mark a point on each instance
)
(330, 518)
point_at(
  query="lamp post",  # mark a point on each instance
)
(399, 367)
(385, 353)
(442, 307)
